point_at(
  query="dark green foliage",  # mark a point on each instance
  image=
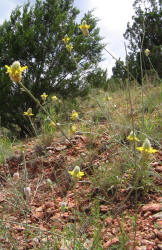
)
(145, 33)
(33, 36)
(118, 70)
(98, 78)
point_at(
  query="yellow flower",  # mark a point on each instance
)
(44, 96)
(107, 98)
(29, 112)
(132, 137)
(66, 39)
(74, 115)
(69, 47)
(54, 98)
(147, 52)
(76, 173)
(72, 129)
(15, 71)
(84, 28)
(52, 124)
(64, 206)
(146, 148)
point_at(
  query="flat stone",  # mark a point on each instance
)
(60, 148)
(157, 215)
(155, 207)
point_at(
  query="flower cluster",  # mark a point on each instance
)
(66, 39)
(146, 148)
(76, 173)
(74, 115)
(44, 96)
(84, 27)
(29, 112)
(69, 47)
(72, 129)
(15, 71)
(132, 137)
(147, 52)
(54, 98)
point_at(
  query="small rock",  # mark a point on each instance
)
(157, 215)
(158, 169)
(83, 154)
(154, 164)
(159, 234)
(60, 148)
(108, 221)
(159, 224)
(147, 242)
(152, 207)
(142, 248)
(110, 242)
(50, 148)
(151, 236)
(159, 199)
(160, 246)
(147, 214)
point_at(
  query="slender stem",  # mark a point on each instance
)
(32, 125)
(142, 96)
(153, 68)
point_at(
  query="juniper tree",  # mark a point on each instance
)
(33, 36)
(145, 33)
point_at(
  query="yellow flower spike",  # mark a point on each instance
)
(76, 173)
(15, 71)
(132, 137)
(147, 52)
(69, 47)
(44, 96)
(146, 148)
(29, 112)
(66, 39)
(84, 28)
(54, 98)
(74, 115)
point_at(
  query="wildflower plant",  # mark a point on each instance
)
(44, 96)
(146, 148)
(74, 115)
(84, 27)
(143, 165)
(69, 47)
(54, 98)
(15, 71)
(66, 39)
(147, 52)
(132, 137)
(76, 173)
(72, 129)
(28, 112)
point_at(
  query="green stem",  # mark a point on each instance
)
(32, 125)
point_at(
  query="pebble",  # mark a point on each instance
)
(157, 215)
